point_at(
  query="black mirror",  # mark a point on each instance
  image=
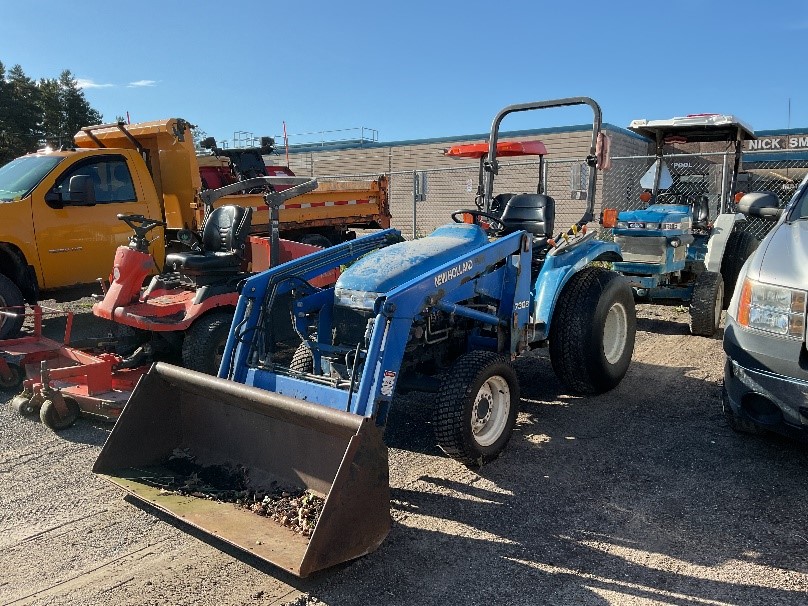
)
(762, 204)
(81, 191)
(54, 199)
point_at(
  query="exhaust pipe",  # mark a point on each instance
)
(272, 440)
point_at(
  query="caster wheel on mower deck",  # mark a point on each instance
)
(22, 404)
(476, 408)
(51, 418)
(592, 331)
(706, 304)
(14, 379)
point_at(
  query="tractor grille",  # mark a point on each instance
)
(647, 249)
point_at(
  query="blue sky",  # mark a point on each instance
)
(417, 69)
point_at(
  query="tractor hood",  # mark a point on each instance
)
(782, 258)
(388, 268)
(656, 213)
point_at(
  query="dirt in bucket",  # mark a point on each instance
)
(292, 507)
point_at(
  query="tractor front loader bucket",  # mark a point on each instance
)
(272, 441)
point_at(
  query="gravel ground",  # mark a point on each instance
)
(640, 496)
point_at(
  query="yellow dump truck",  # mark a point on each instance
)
(58, 209)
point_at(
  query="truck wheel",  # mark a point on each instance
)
(592, 331)
(204, 343)
(476, 408)
(316, 240)
(740, 245)
(706, 304)
(10, 296)
(51, 418)
(302, 360)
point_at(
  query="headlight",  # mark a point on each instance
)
(775, 309)
(622, 225)
(356, 299)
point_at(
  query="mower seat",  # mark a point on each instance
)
(533, 213)
(223, 240)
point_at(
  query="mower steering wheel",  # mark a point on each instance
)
(457, 217)
(140, 225)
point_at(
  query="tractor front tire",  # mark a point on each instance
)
(51, 418)
(706, 304)
(476, 410)
(740, 245)
(10, 296)
(302, 360)
(204, 343)
(592, 331)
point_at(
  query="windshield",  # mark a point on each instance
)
(799, 204)
(20, 176)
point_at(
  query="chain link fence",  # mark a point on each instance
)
(706, 176)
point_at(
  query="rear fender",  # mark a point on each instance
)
(719, 235)
(557, 270)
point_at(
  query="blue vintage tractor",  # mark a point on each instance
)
(309, 374)
(683, 247)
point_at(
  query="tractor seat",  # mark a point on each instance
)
(532, 213)
(223, 240)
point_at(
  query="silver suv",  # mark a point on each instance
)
(766, 372)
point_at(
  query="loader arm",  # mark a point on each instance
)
(499, 271)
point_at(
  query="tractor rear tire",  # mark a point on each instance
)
(476, 408)
(302, 360)
(592, 331)
(740, 245)
(51, 418)
(706, 304)
(204, 343)
(10, 296)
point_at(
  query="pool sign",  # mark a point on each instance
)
(778, 143)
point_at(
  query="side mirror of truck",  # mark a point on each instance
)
(54, 199)
(81, 191)
(761, 204)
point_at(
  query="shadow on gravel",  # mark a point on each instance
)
(642, 493)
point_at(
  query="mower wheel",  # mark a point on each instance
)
(317, 240)
(51, 418)
(706, 304)
(204, 343)
(302, 360)
(14, 379)
(10, 296)
(592, 331)
(736, 423)
(22, 404)
(740, 245)
(476, 408)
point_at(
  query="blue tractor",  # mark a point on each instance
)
(688, 245)
(309, 374)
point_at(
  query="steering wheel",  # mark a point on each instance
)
(457, 217)
(140, 225)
